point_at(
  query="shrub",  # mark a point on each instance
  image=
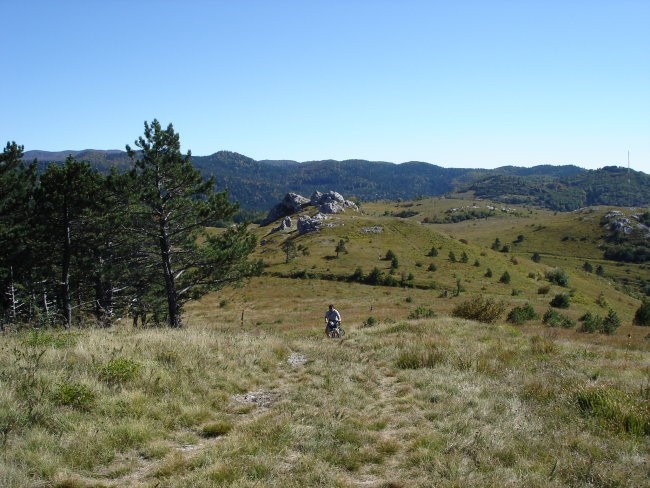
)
(561, 300)
(369, 322)
(477, 263)
(375, 277)
(119, 371)
(611, 322)
(432, 267)
(543, 290)
(463, 257)
(389, 255)
(553, 318)
(591, 323)
(480, 309)
(588, 267)
(505, 278)
(452, 257)
(75, 395)
(642, 315)
(421, 312)
(536, 257)
(557, 276)
(519, 315)
(357, 275)
(433, 252)
(488, 273)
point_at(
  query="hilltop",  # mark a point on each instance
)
(257, 185)
(250, 393)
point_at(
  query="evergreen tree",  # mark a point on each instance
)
(340, 247)
(67, 206)
(17, 184)
(172, 207)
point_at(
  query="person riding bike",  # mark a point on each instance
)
(332, 319)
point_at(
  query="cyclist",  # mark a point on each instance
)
(332, 319)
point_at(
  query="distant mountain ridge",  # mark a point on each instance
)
(258, 185)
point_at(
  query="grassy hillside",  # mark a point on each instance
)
(250, 393)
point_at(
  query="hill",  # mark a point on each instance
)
(258, 185)
(250, 393)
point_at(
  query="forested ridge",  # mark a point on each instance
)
(258, 185)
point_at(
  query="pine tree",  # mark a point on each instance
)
(172, 207)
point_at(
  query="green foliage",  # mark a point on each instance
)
(553, 318)
(75, 395)
(421, 312)
(614, 408)
(557, 276)
(591, 323)
(480, 309)
(420, 356)
(611, 322)
(588, 267)
(600, 271)
(488, 273)
(536, 257)
(290, 250)
(595, 323)
(642, 314)
(561, 300)
(463, 257)
(172, 207)
(521, 314)
(433, 252)
(452, 257)
(389, 255)
(505, 278)
(432, 267)
(340, 247)
(543, 290)
(394, 263)
(370, 322)
(217, 429)
(119, 371)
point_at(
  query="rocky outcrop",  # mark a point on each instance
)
(326, 203)
(284, 225)
(291, 203)
(309, 224)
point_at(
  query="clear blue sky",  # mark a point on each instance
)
(455, 83)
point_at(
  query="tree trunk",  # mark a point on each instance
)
(65, 272)
(174, 318)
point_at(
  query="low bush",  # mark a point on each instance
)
(119, 371)
(591, 323)
(611, 322)
(505, 278)
(521, 314)
(369, 322)
(543, 290)
(557, 276)
(561, 300)
(642, 315)
(75, 395)
(595, 323)
(480, 309)
(553, 318)
(422, 312)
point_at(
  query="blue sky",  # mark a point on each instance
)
(455, 83)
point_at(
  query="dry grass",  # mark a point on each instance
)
(250, 393)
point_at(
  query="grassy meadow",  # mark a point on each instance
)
(251, 394)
